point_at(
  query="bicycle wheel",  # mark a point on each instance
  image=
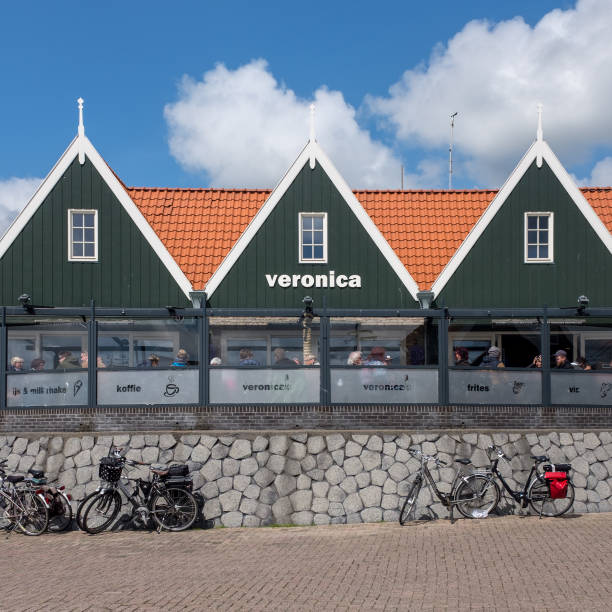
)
(32, 515)
(477, 496)
(174, 509)
(410, 502)
(542, 503)
(82, 507)
(101, 512)
(60, 513)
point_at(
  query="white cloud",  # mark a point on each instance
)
(244, 129)
(494, 75)
(601, 175)
(14, 195)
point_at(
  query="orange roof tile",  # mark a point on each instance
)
(424, 228)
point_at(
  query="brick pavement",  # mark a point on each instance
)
(495, 564)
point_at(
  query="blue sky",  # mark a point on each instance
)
(216, 94)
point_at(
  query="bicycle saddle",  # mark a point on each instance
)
(159, 472)
(36, 473)
(15, 478)
(540, 458)
(463, 461)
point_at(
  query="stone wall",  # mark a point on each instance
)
(308, 478)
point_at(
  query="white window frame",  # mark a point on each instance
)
(551, 237)
(304, 215)
(82, 258)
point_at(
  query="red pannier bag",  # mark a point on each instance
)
(557, 484)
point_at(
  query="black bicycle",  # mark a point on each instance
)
(172, 508)
(537, 489)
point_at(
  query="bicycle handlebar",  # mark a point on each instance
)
(415, 452)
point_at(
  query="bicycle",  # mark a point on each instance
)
(21, 508)
(536, 490)
(55, 498)
(171, 508)
(475, 494)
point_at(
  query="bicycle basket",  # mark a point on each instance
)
(110, 468)
(177, 470)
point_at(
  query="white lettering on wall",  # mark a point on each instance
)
(318, 280)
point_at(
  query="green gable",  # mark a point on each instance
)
(493, 274)
(128, 271)
(274, 251)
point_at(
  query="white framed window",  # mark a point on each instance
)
(313, 237)
(82, 235)
(539, 245)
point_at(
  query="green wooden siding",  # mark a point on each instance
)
(494, 273)
(128, 271)
(274, 250)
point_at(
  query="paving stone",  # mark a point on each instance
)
(371, 515)
(150, 439)
(182, 452)
(219, 451)
(320, 505)
(321, 519)
(363, 480)
(276, 463)
(352, 449)
(398, 471)
(301, 500)
(200, 453)
(263, 477)
(349, 484)
(260, 443)
(308, 463)
(208, 441)
(225, 483)
(371, 496)
(166, 441)
(230, 500)
(320, 489)
(591, 441)
(352, 503)
(338, 457)
(379, 477)
(232, 519)
(211, 470)
(335, 442)
(375, 443)
(353, 466)
(335, 475)
(252, 491)
(404, 441)
(336, 494)
(241, 482)
(293, 467)
(137, 441)
(285, 484)
(315, 445)
(282, 509)
(389, 448)
(240, 449)
(262, 458)
(304, 482)
(150, 454)
(71, 447)
(33, 448)
(231, 467)
(227, 440)
(370, 460)
(297, 451)
(268, 495)
(248, 506)
(279, 445)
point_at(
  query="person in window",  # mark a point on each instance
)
(17, 364)
(153, 360)
(246, 357)
(461, 357)
(582, 364)
(181, 359)
(355, 358)
(561, 361)
(537, 362)
(311, 360)
(377, 357)
(85, 360)
(216, 361)
(280, 360)
(37, 365)
(492, 359)
(67, 361)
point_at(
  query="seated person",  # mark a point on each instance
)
(377, 357)
(561, 361)
(37, 365)
(461, 357)
(280, 360)
(582, 364)
(246, 357)
(492, 359)
(67, 361)
(216, 361)
(17, 364)
(311, 360)
(355, 358)
(537, 362)
(181, 359)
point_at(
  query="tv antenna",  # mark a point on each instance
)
(450, 151)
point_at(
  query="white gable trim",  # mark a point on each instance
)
(311, 151)
(539, 149)
(82, 143)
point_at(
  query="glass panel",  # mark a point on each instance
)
(532, 252)
(307, 252)
(501, 386)
(149, 343)
(148, 387)
(318, 237)
(248, 351)
(393, 341)
(89, 250)
(599, 352)
(544, 237)
(89, 235)
(77, 235)
(579, 387)
(318, 222)
(89, 220)
(384, 386)
(532, 237)
(532, 222)
(586, 342)
(68, 388)
(77, 220)
(318, 252)
(307, 222)
(274, 386)
(21, 353)
(77, 249)
(543, 222)
(543, 254)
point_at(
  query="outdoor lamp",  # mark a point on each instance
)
(583, 302)
(25, 301)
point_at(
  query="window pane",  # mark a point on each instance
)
(77, 235)
(77, 250)
(532, 222)
(318, 252)
(318, 237)
(307, 252)
(307, 222)
(306, 237)
(532, 237)
(543, 252)
(88, 220)
(543, 222)
(89, 235)
(89, 250)
(544, 237)
(318, 223)
(77, 220)
(532, 252)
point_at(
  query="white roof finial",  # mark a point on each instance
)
(539, 136)
(312, 139)
(81, 133)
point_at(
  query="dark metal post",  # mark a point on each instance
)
(3, 345)
(92, 358)
(545, 348)
(204, 355)
(324, 357)
(443, 359)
